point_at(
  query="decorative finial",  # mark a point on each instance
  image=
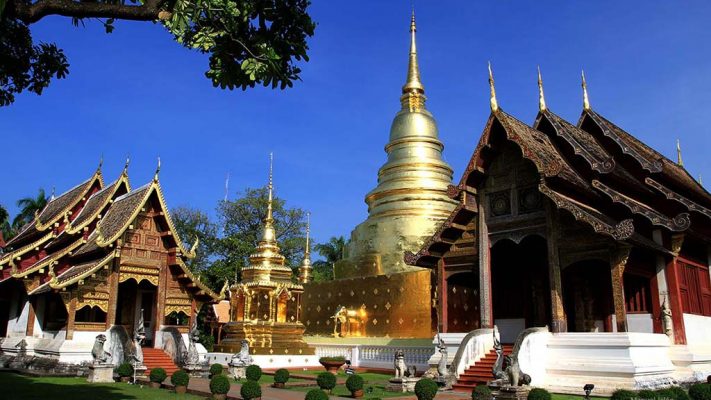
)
(541, 96)
(305, 274)
(155, 177)
(701, 181)
(678, 154)
(413, 92)
(225, 287)
(51, 197)
(271, 186)
(194, 247)
(308, 232)
(494, 104)
(125, 166)
(586, 101)
(101, 162)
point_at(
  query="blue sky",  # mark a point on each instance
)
(138, 92)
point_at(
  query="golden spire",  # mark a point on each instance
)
(678, 154)
(305, 268)
(413, 92)
(541, 96)
(155, 177)
(494, 104)
(586, 101)
(270, 217)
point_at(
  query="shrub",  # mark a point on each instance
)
(481, 392)
(539, 394)
(124, 370)
(219, 384)
(180, 378)
(157, 375)
(215, 369)
(426, 389)
(354, 383)
(700, 391)
(673, 393)
(316, 394)
(332, 359)
(646, 394)
(281, 376)
(250, 390)
(622, 394)
(327, 381)
(253, 373)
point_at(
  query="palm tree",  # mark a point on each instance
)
(5, 227)
(332, 251)
(29, 206)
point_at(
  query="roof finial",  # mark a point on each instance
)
(413, 91)
(701, 181)
(271, 187)
(678, 154)
(541, 96)
(308, 232)
(494, 104)
(155, 177)
(51, 197)
(305, 268)
(101, 162)
(586, 101)
(125, 166)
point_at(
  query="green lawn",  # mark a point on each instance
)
(369, 377)
(378, 390)
(555, 396)
(31, 388)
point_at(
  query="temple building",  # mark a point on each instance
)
(384, 296)
(98, 259)
(583, 229)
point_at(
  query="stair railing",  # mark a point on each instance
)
(475, 345)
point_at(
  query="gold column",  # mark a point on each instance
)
(71, 316)
(618, 261)
(559, 321)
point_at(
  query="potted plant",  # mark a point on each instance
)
(426, 389)
(125, 371)
(253, 373)
(215, 369)
(316, 394)
(219, 386)
(180, 380)
(157, 376)
(251, 390)
(281, 376)
(326, 381)
(332, 364)
(354, 383)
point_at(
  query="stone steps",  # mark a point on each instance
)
(479, 373)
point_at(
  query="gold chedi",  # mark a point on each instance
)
(266, 305)
(410, 200)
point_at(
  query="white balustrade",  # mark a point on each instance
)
(376, 356)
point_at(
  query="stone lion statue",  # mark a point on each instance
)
(100, 355)
(399, 364)
(242, 359)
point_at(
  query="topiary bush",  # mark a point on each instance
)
(646, 394)
(180, 378)
(157, 375)
(539, 394)
(253, 373)
(622, 394)
(332, 359)
(219, 384)
(316, 394)
(354, 383)
(426, 389)
(481, 392)
(281, 376)
(250, 390)
(215, 369)
(125, 370)
(672, 393)
(327, 381)
(700, 391)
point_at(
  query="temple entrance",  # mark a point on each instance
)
(587, 296)
(520, 288)
(134, 299)
(462, 302)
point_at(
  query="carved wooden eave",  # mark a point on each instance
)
(49, 260)
(673, 195)
(598, 221)
(62, 282)
(679, 223)
(14, 255)
(582, 143)
(97, 205)
(194, 283)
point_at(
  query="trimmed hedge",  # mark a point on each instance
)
(253, 373)
(481, 392)
(700, 391)
(281, 375)
(158, 375)
(332, 359)
(180, 378)
(215, 369)
(354, 383)
(124, 370)
(539, 394)
(219, 384)
(326, 381)
(622, 394)
(250, 390)
(316, 394)
(426, 389)
(673, 393)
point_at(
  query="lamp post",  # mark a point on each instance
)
(588, 388)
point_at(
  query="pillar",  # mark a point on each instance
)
(31, 316)
(660, 281)
(559, 321)
(71, 316)
(672, 279)
(113, 294)
(485, 301)
(442, 295)
(618, 261)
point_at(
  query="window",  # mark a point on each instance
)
(637, 294)
(90, 314)
(695, 287)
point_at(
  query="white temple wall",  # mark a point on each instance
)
(640, 323)
(19, 312)
(698, 330)
(533, 356)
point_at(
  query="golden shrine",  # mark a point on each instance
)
(266, 305)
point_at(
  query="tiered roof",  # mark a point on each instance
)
(602, 175)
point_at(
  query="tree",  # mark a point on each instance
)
(331, 251)
(192, 223)
(249, 42)
(5, 227)
(29, 206)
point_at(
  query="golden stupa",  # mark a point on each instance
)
(410, 200)
(266, 306)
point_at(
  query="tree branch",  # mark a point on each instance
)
(31, 13)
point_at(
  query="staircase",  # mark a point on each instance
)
(479, 373)
(155, 358)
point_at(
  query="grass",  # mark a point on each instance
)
(16, 387)
(270, 379)
(556, 396)
(369, 377)
(342, 391)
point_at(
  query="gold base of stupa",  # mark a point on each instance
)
(265, 338)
